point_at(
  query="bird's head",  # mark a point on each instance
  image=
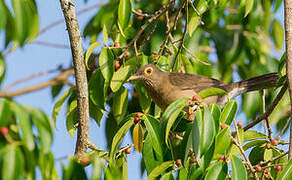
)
(149, 74)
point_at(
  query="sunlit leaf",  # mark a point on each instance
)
(105, 35)
(286, 173)
(238, 169)
(120, 76)
(160, 169)
(120, 104)
(211, 92)
(124, 13)
(222, 142)
(2, 69)
(89, 51)
(71, 119)
(13, 163)
(277, 34)
(217, 171)
(138, 137)
(248, 7)
(60, 102)
(194, 20)
(106, 64)
(228, 112)
(5, 112)
(251, 135)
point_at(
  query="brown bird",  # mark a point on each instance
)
(166, 87)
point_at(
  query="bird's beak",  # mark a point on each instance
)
(134, 77)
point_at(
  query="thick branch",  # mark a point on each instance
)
(80, 76)
(270, 109)
(59, 79)
(288, 39)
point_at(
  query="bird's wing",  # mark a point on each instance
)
(194, 82)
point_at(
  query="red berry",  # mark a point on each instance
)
(116, 44)
(191, 117)
(139, 114)
(274, 142)
(227, 160)
(136, 120)
(268, 145)
(278, 168)
(117, 64)
(84, 161)
(128, 151)
(127, 53)
(192, 160)
(4, 130)
(221, 159)
(267, 176)
(178, 162)
(239, 124)
(140, 18)
(258, 168)
(223, 126)
(197, 98)
(139, 11)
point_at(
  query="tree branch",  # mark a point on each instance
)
(80, 76)
(59, 79)
(269, 110)
(288, 39)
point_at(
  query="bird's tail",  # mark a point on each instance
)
(253, 84)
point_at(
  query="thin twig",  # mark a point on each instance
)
(273, 159)
(267, 121)
(284, 128)
(237, 143)
(59, 79)
(269, 110)
(50, 44)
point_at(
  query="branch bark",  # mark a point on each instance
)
(80, 76)
(288, 39)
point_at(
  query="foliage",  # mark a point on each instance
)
(233, 37)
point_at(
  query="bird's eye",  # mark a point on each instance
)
(148, 71)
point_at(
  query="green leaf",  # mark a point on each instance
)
(5, 112)
(89, 51)
(74, 171)
(222, 142)
(120, 76)
(252, 135)
(183, 174)
(194, 20)
(211, 92)
(56, 90)
(31, 9)
(60, 102)
(149, 156)
(217, 171)
(248, 7)
(2, 67)
(2, 15)
(105, 35)
(282, 65)
(124, 13)
(152, 126)
(25, 125)
(119, 136)
(138, 137)
(253, 143)
(229, 112)
(187, 64)
(238, 169)
(71, 119)
(208, 131)
(106, 64)
(96, 89)
(144, 99)
(160, 169)
(169, 116)
(13, 163)
(286, 173)
(256, 155)
(21, 20)
(163, 63)
(120, 104)
(215, 111)
(95, 112)
(196, 132)
(277, 34)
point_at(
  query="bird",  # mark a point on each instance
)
(166, 87)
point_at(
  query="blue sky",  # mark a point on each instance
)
(35, 58)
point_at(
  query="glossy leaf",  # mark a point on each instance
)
(60, 102)
(152, 126)
(211, 92)
(106, 64)
(138, 137)
(5, 112)
(55, 91)
(228, 112)
(119, 136)
(89, 52)
(105, 35)
(25, 125)
(2, 15)
(194, 20)
(252, 135)
(120, 76)
(2, 67)
(149, 157)
(120, 104)
(277, 34)
(217, 171)
(13, 163)
(286, 173)
(196, 132)
(222, 142)
(124, 13)
(169, 116)
(248, 6)
(215, 111)
(160, 169)
(253, 143)
(71, 119)
(21, 20)
(96, 89)
(144, 99)
(256, 155)
(238, 169)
